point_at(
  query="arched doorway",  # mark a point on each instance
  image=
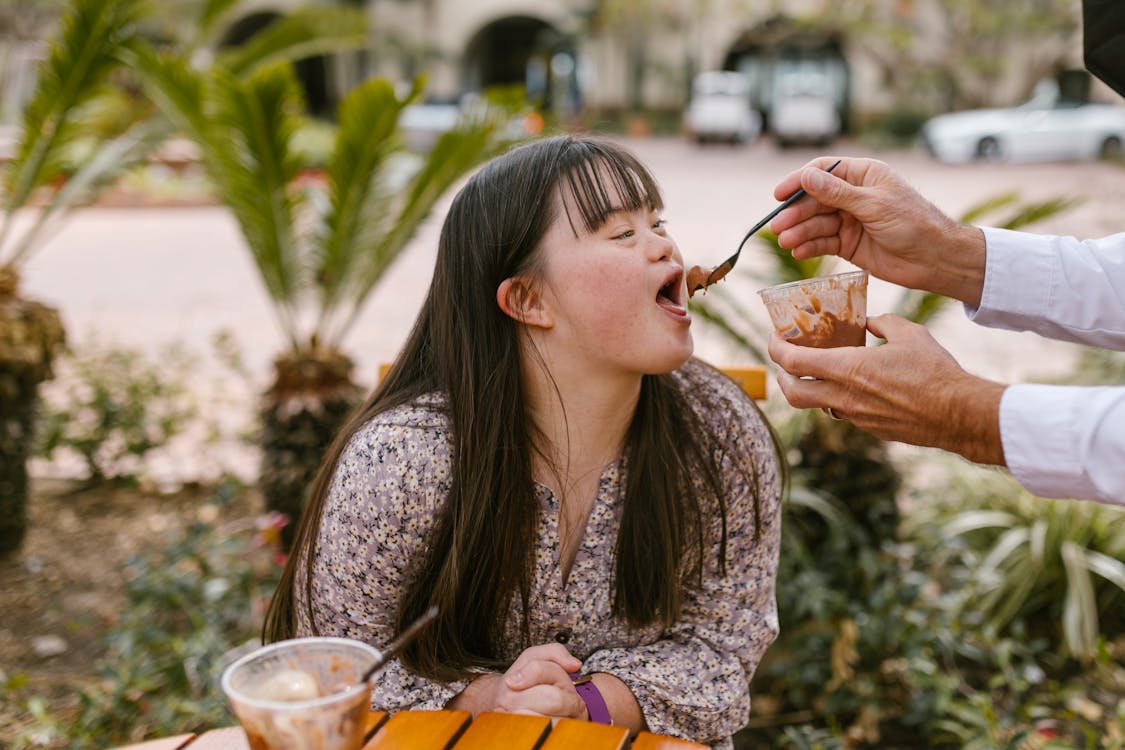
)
(525, 51)
(778, 49)
(311, 71)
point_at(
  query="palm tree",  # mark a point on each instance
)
(42, 184)
(320, 244)
(80, 62)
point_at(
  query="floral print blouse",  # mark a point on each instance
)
(691, 679)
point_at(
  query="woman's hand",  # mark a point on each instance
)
(538, 682)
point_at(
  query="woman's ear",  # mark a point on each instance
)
(523, 302)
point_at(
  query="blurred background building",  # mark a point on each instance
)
(618, 58)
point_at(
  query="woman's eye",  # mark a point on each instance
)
(624, 235)
(660, 225)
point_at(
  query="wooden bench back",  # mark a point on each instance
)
(752, 378)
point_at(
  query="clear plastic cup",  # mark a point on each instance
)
(302, 694)
(823, 312)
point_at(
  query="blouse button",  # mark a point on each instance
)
(563, 636)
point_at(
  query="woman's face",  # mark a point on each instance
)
(617, 294)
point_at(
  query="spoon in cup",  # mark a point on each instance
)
(700, 278)
(396, 645)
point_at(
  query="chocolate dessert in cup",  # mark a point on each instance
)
(302, 694)
(822, 312)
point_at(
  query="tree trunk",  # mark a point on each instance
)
(31, 335)
(311, 398)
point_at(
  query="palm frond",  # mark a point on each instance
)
(179, 92)
(211, 14)
(80, 60)
(920, 307)
(359, 189)
(244, 130)
(104, 167)
(259, 116)
(1080, 611)
(789, 268)
(477, 138)
(727, 327)
(988, 205)
(303, 33)
(1033, 212)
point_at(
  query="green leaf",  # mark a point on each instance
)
(80, 61)
(1080, 612)
(306, 32)
(1109, 568)
(987, 206)
(259, 118)
(360, 188)
(977, 519)
(476, 138)
(920, 307)
(211, 13)
(1034, 212)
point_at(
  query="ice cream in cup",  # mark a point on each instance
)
(823, 312)
(302, 694)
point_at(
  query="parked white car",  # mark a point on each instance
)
(1045, 128)
(720, 109)
(804, 109)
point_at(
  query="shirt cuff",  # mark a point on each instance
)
(1065, 441)
(1019, 273)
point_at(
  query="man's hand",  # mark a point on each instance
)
(909, 389)
(867, 214)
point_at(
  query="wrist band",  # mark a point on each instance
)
(592, 697)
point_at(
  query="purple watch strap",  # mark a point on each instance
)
(592, 697)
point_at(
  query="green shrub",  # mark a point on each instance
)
(117, 413)
(1057, 566)
(110, 406)
(194, 603)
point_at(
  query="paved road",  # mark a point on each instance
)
(153, 276)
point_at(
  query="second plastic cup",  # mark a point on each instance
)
(823, 312)
(302, 694)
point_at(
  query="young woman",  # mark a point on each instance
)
(547, 464)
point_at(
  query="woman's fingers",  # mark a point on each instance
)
(547, 663)
(538, 673)
(548, 700)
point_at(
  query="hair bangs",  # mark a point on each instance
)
(603, 180)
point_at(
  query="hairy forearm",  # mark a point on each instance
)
(959, 271)
(972, 424)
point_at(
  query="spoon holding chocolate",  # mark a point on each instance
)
(701, 278)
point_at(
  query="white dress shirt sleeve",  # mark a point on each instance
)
(1060, 441)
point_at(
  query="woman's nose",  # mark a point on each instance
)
(659, 247)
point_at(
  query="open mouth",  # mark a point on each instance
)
(670, 295)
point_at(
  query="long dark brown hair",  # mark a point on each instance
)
(481, 548)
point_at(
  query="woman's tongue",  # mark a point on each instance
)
(669, 304)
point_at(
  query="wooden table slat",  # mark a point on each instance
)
(228, 738)
(509, 731)
(650, 741)
(164, 743)
(420, 730)
(375, 719)
(571, 733)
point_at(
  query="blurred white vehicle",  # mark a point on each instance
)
(1046, 128)
(720, 109)
(804, 108)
